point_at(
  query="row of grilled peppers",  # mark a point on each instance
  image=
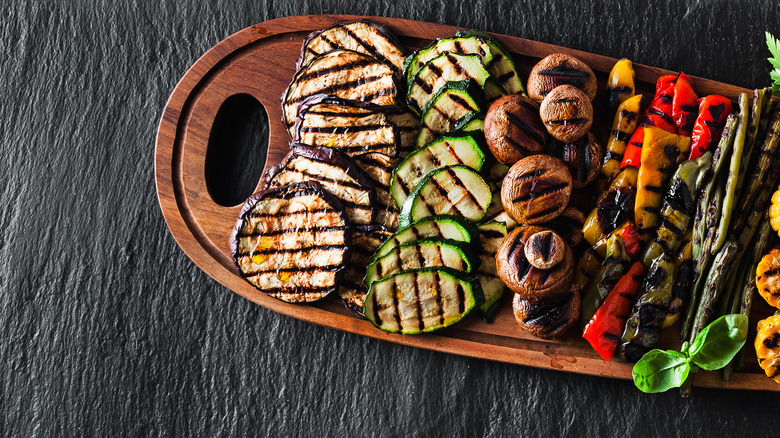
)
(639, 269)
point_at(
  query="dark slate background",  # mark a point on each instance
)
(107, 329)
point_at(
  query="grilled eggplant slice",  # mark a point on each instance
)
(501, 67)
(448, 190)
(453, 102)
(361, 36)
(467, 45)
(355, 127)
(335, 171)
(341, 73)
(491, 236)
(445, 151)
(447, 67)
(421, 254)
(446, 227)
(380, 168)
(365, 240)
(291, 242)
(421, 300)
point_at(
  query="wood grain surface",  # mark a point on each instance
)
(259, 61)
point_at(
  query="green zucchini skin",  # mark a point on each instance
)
(398, 303)
(501, 66)
(465, 44)
(445, 151)
(492, 234)
(453, 102)
(422, 253)
(445, 226)
(434, 194)
(445, 68)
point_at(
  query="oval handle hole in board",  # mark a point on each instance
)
(238, 144)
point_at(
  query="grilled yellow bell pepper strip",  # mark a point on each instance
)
(613, 207)
(620, 84)
(661, 153)
(625, 122)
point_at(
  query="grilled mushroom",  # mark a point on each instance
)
(569, 225)
(559, 69)
(513, 129)
(536, 189)
(548, 321)
(545, 249)
(566, 113)
(582, 156)
(539, 286)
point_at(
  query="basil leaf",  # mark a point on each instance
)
(719, 342)
(660, 370)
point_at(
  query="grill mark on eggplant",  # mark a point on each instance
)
(370, 48)
(334, 69)
(292, 250)
(525, 127)
(327, 41)
(380, 93)
(294, 230)
(540, 193)
(339, 87)
(341, 129)
(256, 215)
(297, 290)
(374, 163)
(460, 183)
(309, 269)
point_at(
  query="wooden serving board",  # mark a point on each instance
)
(260, 61)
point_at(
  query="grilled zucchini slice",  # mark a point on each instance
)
(336, 172)
(501, 66)
(340, 73)
(491, 236)
(421, 254)
(452, 228)
(461, 45)
(355, 127)
(361, 36)
(450, 190)
(364, 241)
(472, 123)
(495, 178)
(440, 70)
(421, 300)
(291, 242)
(445, 151)
(453, 102)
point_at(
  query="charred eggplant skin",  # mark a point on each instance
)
(287, 192)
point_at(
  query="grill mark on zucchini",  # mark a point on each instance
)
(455, 65)
(420, 325)
(439, 306)
(396, 310)
(497, 57)
(541, 193)
(506, 76)
(459, 182)
(443, 193)
(461, 101)
(461, 296)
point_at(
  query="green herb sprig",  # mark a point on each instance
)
(774, 49)
(713, 349)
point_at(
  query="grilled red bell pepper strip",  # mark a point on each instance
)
(658, 114)
(713, 110)
(606, 327)
(685, 105)
(632, 241)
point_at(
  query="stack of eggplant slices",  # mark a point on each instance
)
(388, 195)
